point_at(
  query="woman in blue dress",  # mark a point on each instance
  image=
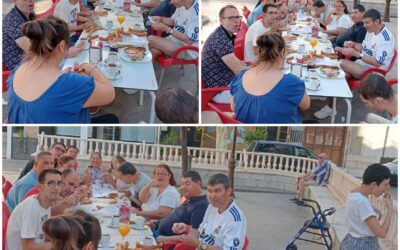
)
(264, 93)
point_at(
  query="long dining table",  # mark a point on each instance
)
(336, 87)
(138, 75)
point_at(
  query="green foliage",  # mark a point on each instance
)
(258, 133)
(170, 139)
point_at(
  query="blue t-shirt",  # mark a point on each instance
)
(62, 102)
(20, 188)
(252, 18)
(279, 105)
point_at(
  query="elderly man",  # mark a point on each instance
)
(24, 230)
(14, 42)
(267, 23)
(355, 33)
(184, 31)
(57, 150)
(379, 96)
(191, 212)
(219, 65)
(43, 161)
(319, 175)
(136, 181)
(224, 224)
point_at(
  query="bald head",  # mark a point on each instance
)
(322, 157)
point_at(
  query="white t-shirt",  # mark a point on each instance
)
(186, 21)
(380, 46)
(67, 12)
(255, 30)
(343, 22)
(226, 230)
(358, 209)
(168, 198)
(26, 222)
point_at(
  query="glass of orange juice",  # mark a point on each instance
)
(313, 42)
(121, 19)
(124, 229)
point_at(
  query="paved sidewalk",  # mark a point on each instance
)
(272, 219)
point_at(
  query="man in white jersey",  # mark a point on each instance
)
(24, 229)
(182, 27)
(376, 50)
(224, 224)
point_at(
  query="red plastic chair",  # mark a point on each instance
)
(245, 11)
(206, 97)
(33, 191)
(6, 74)
(238, 49)
(354, 83)
(166, 61)
(48, 12)
(392, 81)
(6, 188)
(226, 119)
(181, 246)
(6, 216)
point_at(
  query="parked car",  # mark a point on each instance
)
(280, 148)
(393, 170)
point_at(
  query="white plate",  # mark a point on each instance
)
(307, 84)
(322, 74)
(117, 77)
(134, 226)
(110, 245)
(147, 57)
(111, 226)
(327, 41)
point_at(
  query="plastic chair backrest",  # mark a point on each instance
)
(246, 243)
(239, 41)
(6, 187)
(226, 119)
(6, 74)
(182, 246)
(393, 61)
(245, 12)
(6, 216)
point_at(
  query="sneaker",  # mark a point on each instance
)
(299, 203)
(294, 199)
(323, 113)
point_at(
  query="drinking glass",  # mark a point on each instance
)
(313, 42)
(121, 19)
(124, 229)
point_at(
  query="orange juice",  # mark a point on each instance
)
(121, 19)
(124, 230)
(313, 42)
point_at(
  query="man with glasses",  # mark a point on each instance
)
(136, 181)
(24, 230)
(252, 18)
(43, 161)
(319, 175)
(219, 65)
(267, 23)
(57, 150)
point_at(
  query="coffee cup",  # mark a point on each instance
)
(314, 83)
(302, 48)
(147, 241)
(112, 58)
(109, 25)
(140, 221)
(312, 73)
(112, 70)
(324, 37)
(115, 221)
(105, 240)
(308, 36)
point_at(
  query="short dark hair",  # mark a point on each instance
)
(375, 85)
(66, 172)
(222, 11)
(194, 175)
(346, 11)
(359, 7)
(318, 4)
(58, 143)
(127, 168)
(72, 146)
(376, 173)
(219, 179)
(176, 105)
(267, 6)
(373, 14)
(42, 175)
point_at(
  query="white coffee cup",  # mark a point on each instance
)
(312, 73)
(302, 48)
(112, 58)
(112, 70)
(147, 241)
(105, 240)
(115, 221)
(140, 221)
(324, 37)
(314, 83)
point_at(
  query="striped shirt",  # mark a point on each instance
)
(322, 173)
(226, 230)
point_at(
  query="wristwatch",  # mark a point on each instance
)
(170, 31)
(361, 55)
(203, 246)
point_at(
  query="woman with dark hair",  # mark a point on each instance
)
(112, 176)
(77, 231)
(159, 196)
(94, 171)
(39, 92)
(264, 94)
(338, 20)
(65, 162)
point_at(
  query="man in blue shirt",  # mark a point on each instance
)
(319, 175)
(355, 33)
(191, 212)
(43, 160)
(252, 18)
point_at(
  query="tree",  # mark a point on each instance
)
(184, 150)
(232, 160)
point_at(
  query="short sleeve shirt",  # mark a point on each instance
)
(322, 172)
(67, 12)
(215, 72)
(380, 46)
(356, 33)
(226, 230)
(26, 222)
(168, 198)
(343, 22)
(136, 188)
(20, 188)
(62, 102)
(279, 105)
(254, 15)
(12, 24)
(255, 30)
(358, 209)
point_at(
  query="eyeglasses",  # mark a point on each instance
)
(233, 18)
(53, 184)
(339, 6)
(162, 174)
(272, 13)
